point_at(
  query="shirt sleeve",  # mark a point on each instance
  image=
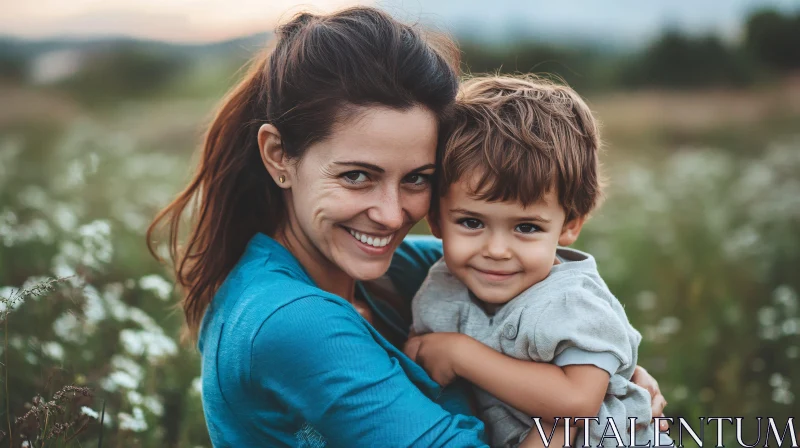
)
(579, 328)
(322, 363)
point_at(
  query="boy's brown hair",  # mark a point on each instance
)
(523, 136)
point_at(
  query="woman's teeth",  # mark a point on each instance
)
(374, 241)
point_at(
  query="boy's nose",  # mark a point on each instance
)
(497, 247)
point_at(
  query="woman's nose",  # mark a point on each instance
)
(497, 247)
(388, 210)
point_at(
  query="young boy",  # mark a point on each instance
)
(519, 178)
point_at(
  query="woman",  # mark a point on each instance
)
(313, 172)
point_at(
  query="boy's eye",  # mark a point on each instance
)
(527, 228)
(355, 177)
(471, 223)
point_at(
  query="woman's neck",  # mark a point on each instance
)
(325, 274)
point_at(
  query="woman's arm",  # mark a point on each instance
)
(319, 360)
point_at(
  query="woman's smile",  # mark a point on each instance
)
(370, 243)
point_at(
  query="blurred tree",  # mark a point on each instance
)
(774, 39)
(124, 70)
(678, 61)
(13, 65)
(581, 67)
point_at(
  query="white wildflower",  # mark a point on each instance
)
(791, 327)
(68, 328)
(93, 307)
(669, 325)
(680, 393)
(135, 398)
(112, 295)
(126, 374)
(53, 350)
(767, 316)
(154, 345)
(64, 217)
(96, 242)
(144, 320)
(8, 222)
(197, 386)
(786, 297)
(135, 422)
(646, 300)
(116, 380)
(153, 404)
(86, 410)
(157, 285)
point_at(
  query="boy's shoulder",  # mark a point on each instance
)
(575, 278)
(441, 285)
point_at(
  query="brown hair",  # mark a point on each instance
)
(320, 67)
(523, 136)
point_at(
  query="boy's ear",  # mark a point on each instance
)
(271, 148)
(433, 223)
(571, 231)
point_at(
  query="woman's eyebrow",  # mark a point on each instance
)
(424, 167)
(368, 166)
(378, 169)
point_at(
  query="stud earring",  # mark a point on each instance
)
(281, 178)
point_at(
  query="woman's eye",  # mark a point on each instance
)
(471, 223)
(418, 180)
(527, 228)
(355, 177)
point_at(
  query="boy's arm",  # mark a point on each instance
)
(535, 388)
(539, 389)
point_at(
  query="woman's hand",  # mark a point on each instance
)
(435, 352)
(642, 378)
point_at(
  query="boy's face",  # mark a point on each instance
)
(500, 249)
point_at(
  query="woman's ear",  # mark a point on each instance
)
(571, 231)
(271, 148)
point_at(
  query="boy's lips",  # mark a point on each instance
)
(494, 275)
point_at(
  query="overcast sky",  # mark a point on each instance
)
(212, 20)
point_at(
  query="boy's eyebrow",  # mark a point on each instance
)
(532, 218)
(378, 169)
(464, 211)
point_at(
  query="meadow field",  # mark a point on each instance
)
(698, 237)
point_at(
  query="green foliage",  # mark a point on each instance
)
(126, 69)
(582, 68)
(774, 39)
(679, 61)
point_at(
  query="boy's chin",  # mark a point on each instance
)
(489, 297)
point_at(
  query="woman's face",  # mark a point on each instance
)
(355, 195)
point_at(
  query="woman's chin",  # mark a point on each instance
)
(363, 270)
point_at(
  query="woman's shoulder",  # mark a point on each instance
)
(425, 249)
(411, 262)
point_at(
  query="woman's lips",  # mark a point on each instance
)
(371, 239)
(370, 243)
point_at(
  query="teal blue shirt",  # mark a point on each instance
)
(285, 363)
